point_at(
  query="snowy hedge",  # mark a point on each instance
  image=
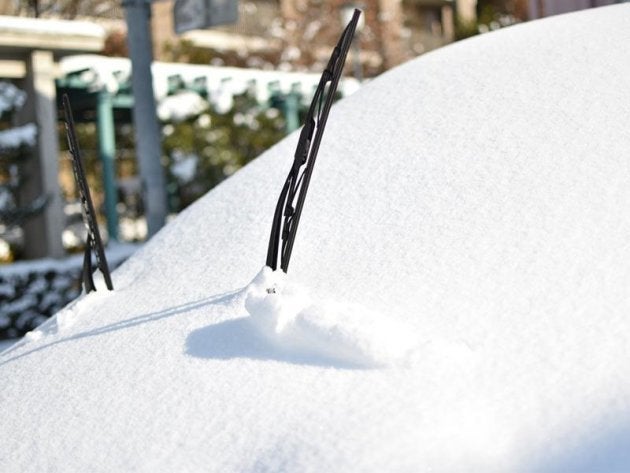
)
(32, 291)
(27, 299)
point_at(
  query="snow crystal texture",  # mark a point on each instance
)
(457, 298)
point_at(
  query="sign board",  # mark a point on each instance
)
(201, 14)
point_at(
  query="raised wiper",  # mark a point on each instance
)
(94, 242)
(287, 214)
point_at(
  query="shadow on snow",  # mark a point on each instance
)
(602, 452)
(238, 338)
(134, 321)
(235, 338)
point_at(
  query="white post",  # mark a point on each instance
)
(42, 234)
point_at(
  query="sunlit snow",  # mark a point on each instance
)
(457, 298)
(338, 332)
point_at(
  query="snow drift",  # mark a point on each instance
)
(474, 203)
(343, 333)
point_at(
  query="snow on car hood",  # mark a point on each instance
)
(468, 218)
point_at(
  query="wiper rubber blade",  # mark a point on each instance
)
(288, 211)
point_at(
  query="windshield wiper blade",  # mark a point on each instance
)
(94, 242)
(288, 211)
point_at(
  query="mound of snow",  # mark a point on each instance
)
(468, 218)
(288, 316)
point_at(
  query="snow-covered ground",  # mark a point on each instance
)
(457, 299)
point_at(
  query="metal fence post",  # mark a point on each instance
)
(107, 154)
(147, 132)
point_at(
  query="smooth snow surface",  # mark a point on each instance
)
(472, 207)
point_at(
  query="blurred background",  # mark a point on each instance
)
(214, 83)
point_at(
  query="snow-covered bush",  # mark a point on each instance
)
(32, 291)
(204, 149)
(15, 143)
(28, 298)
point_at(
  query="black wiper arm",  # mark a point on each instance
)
(304, 143)
(94, 242)
(287, 214)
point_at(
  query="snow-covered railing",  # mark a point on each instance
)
(218, 84)
(63, 36)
